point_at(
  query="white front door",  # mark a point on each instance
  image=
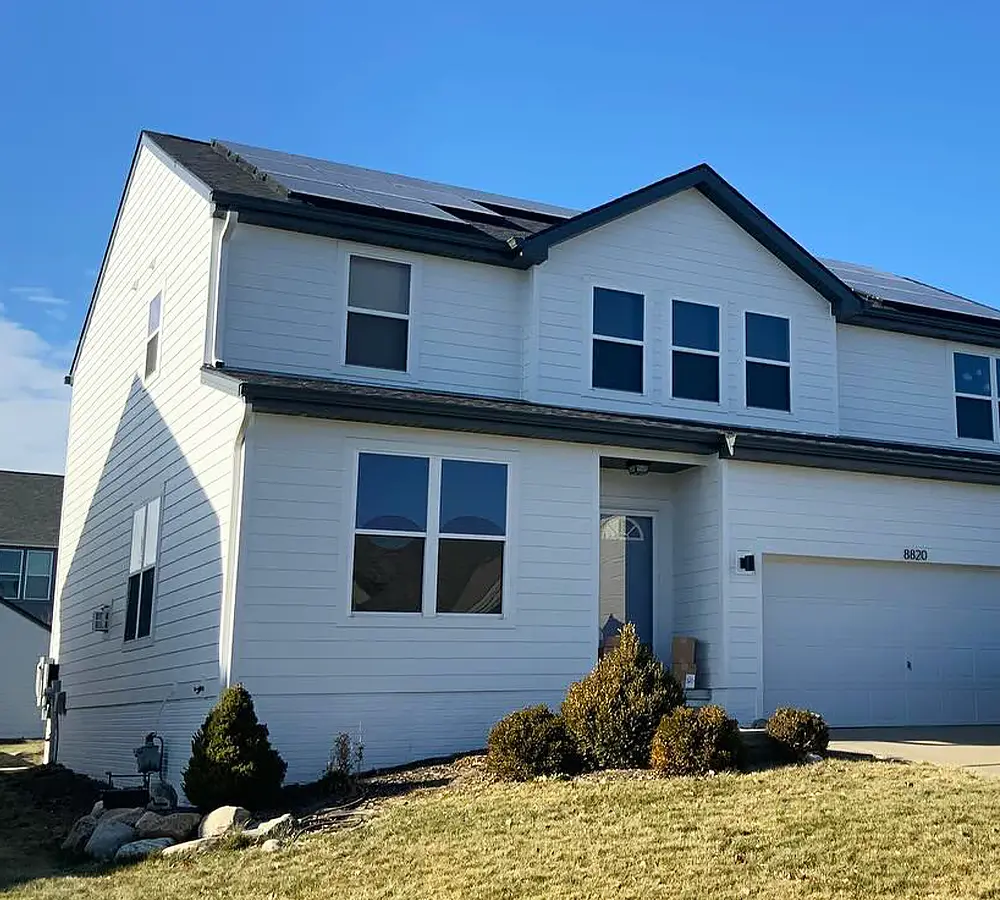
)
(870, 643)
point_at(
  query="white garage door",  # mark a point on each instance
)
(868, 643)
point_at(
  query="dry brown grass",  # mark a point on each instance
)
(24, 752)
(837, 829)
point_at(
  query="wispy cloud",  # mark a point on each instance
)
(54, 307)
(33, 396)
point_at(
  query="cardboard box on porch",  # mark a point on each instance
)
(683, 650)
(685, 674)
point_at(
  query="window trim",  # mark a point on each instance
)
(146, 639)
(382, 255)
(993, 398)
(428, 615)
(697, 404)
(746, 358)
(157, 333)
(593, 337)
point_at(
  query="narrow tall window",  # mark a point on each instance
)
(38, 575)
(153, 338)
(618, 340)
(10, 574)
(378, 314)
(694, 364)
(974, 396)
(142, 571)
(768, 362)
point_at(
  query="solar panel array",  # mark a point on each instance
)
(898, 289)
(381, 190)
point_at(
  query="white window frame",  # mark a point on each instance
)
(155, 333)
(428, 615)
(25, 573)
(674, 347)
(144, 554)
(408, 317)
(766, 410)
(594, 337)
(993, 398)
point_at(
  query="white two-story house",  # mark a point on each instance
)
(400, 456)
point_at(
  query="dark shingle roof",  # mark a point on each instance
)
(30, 505)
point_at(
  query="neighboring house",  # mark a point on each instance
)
(364, 443)
(29, 533)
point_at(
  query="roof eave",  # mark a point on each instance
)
(935, 324)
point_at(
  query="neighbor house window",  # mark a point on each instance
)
(694, 364)
(618, 340)
(10, 573)
(378, 314)
(142, 571)
(430, 535)
(153, 337)
(768, 362)
(38, 575)
(975, 393)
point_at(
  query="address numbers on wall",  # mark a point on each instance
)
(915, 554)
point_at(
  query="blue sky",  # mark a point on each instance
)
(869, 131)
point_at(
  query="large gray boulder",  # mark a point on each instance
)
(279, 827)
(223, 820)
(177, 826)
(127, 816)
(107, 838)
(79, 834)
(137, 850)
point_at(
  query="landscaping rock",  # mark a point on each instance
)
(281, 826)
(222, 820)
(80, 833)
(269, 846)
(107, 838)
(811, 758)
(162, 798)
(98, 809)
(125, 816)
(198, 845)
(141, 849)
(177, 826)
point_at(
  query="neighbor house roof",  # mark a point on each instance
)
(24, 613)
(30, 505)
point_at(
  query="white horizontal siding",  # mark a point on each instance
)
(900, 387)
(286, 308)
(128, 443)
(420, 686)
(683, 248)
(838, 515)
(22, 642)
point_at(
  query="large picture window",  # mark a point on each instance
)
(142, 571)
(768, 362)
(429, 536)
(618, 340)
(378, 314)
(694, 362)
(975, 396)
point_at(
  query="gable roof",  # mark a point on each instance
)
(30, 505)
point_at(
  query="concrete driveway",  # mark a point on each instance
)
(972, 747)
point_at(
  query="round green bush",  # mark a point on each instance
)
(529, 743)
(696, 742)
(798, 731)
(232, 760)
(615, 710)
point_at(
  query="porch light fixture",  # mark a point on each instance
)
(637, 468)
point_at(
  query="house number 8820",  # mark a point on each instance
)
(915, 554)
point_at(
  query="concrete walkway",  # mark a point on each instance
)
(972, 747)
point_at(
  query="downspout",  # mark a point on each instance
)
(216, 311)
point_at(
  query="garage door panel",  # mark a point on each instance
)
(838, 636)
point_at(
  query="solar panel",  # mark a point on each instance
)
(329, 178)
(899, 289)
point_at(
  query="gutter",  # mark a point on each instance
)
(217, 275)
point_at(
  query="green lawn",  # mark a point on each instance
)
(26, 751)
(836, 829)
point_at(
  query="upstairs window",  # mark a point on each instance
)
(768, 362)
(10, 574)
(975, 396)
(26, 574)
(430, 535)
(378, 314)
(694, 364)
(153, 338)
(618, 340)
(142, 571)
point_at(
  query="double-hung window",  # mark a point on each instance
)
(768, 362)
(11, 562)
(142, 571)
(378, 314)
(975, 395)
(430, 535)
(694, 362)
(153, 337)
(26, 574)
(618, 340)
